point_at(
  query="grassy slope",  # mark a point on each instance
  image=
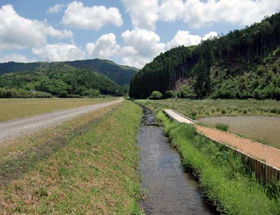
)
(19, 108)
(223, 177)
(94, 173)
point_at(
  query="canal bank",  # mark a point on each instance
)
(229, 184)
(167, 188)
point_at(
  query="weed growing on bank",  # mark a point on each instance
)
(225, 180)
(222, 127)
(95, 173)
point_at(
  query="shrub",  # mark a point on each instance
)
(20, 93)
(155, 95)
(168, 94)
(222, 127)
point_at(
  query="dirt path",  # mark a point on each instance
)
(262, 152)
(19, 127)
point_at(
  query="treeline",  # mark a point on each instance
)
(20, 93)
(60, 80)
(242, 64)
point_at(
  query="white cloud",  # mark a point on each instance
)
(61, 34)
(210, 35)
(187, 39)
(170, 10)
(56, 8)
(140, 47)
(78, 16)
(15, 58)
(104, 47)
(184, 38)
(198, 13)
(17, 32)
(143, 13)
(59, 52)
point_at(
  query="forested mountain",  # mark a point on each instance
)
(119, 74)
(59, 80)
(242, 64)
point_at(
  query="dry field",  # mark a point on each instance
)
(19, 108)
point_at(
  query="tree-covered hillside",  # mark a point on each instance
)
(59, 80)
(119, 74)
(242, 64)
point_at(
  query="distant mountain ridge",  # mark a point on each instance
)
(59, 80)
(117, 73)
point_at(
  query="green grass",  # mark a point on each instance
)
(94, 173)
(196, 109)
(222, 127)
(18, 108)
(224, 179)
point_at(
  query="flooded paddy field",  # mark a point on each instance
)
(264, 129)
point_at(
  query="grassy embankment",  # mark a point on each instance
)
(85, 166)
(19, 108)
(225, 180)
(202, 108)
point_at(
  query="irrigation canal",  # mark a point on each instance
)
(168, 189)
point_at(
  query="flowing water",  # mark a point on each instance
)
(168, 189)
(265, 129)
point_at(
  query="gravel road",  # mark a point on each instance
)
(19, 127)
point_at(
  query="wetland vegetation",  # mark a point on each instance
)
(225, 180)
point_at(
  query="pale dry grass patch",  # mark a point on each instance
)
(19, 108)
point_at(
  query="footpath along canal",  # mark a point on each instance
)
(168, 189)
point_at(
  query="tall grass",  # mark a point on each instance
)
(222, 127)
(225, 180)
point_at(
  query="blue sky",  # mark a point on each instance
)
(130, 32)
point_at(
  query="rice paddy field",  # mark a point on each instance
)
(19, 108)
(254, 119)
(196, 109)
(264, 129)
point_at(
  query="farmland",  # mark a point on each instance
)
(19, 108)
(196, 109)
(248, 123)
